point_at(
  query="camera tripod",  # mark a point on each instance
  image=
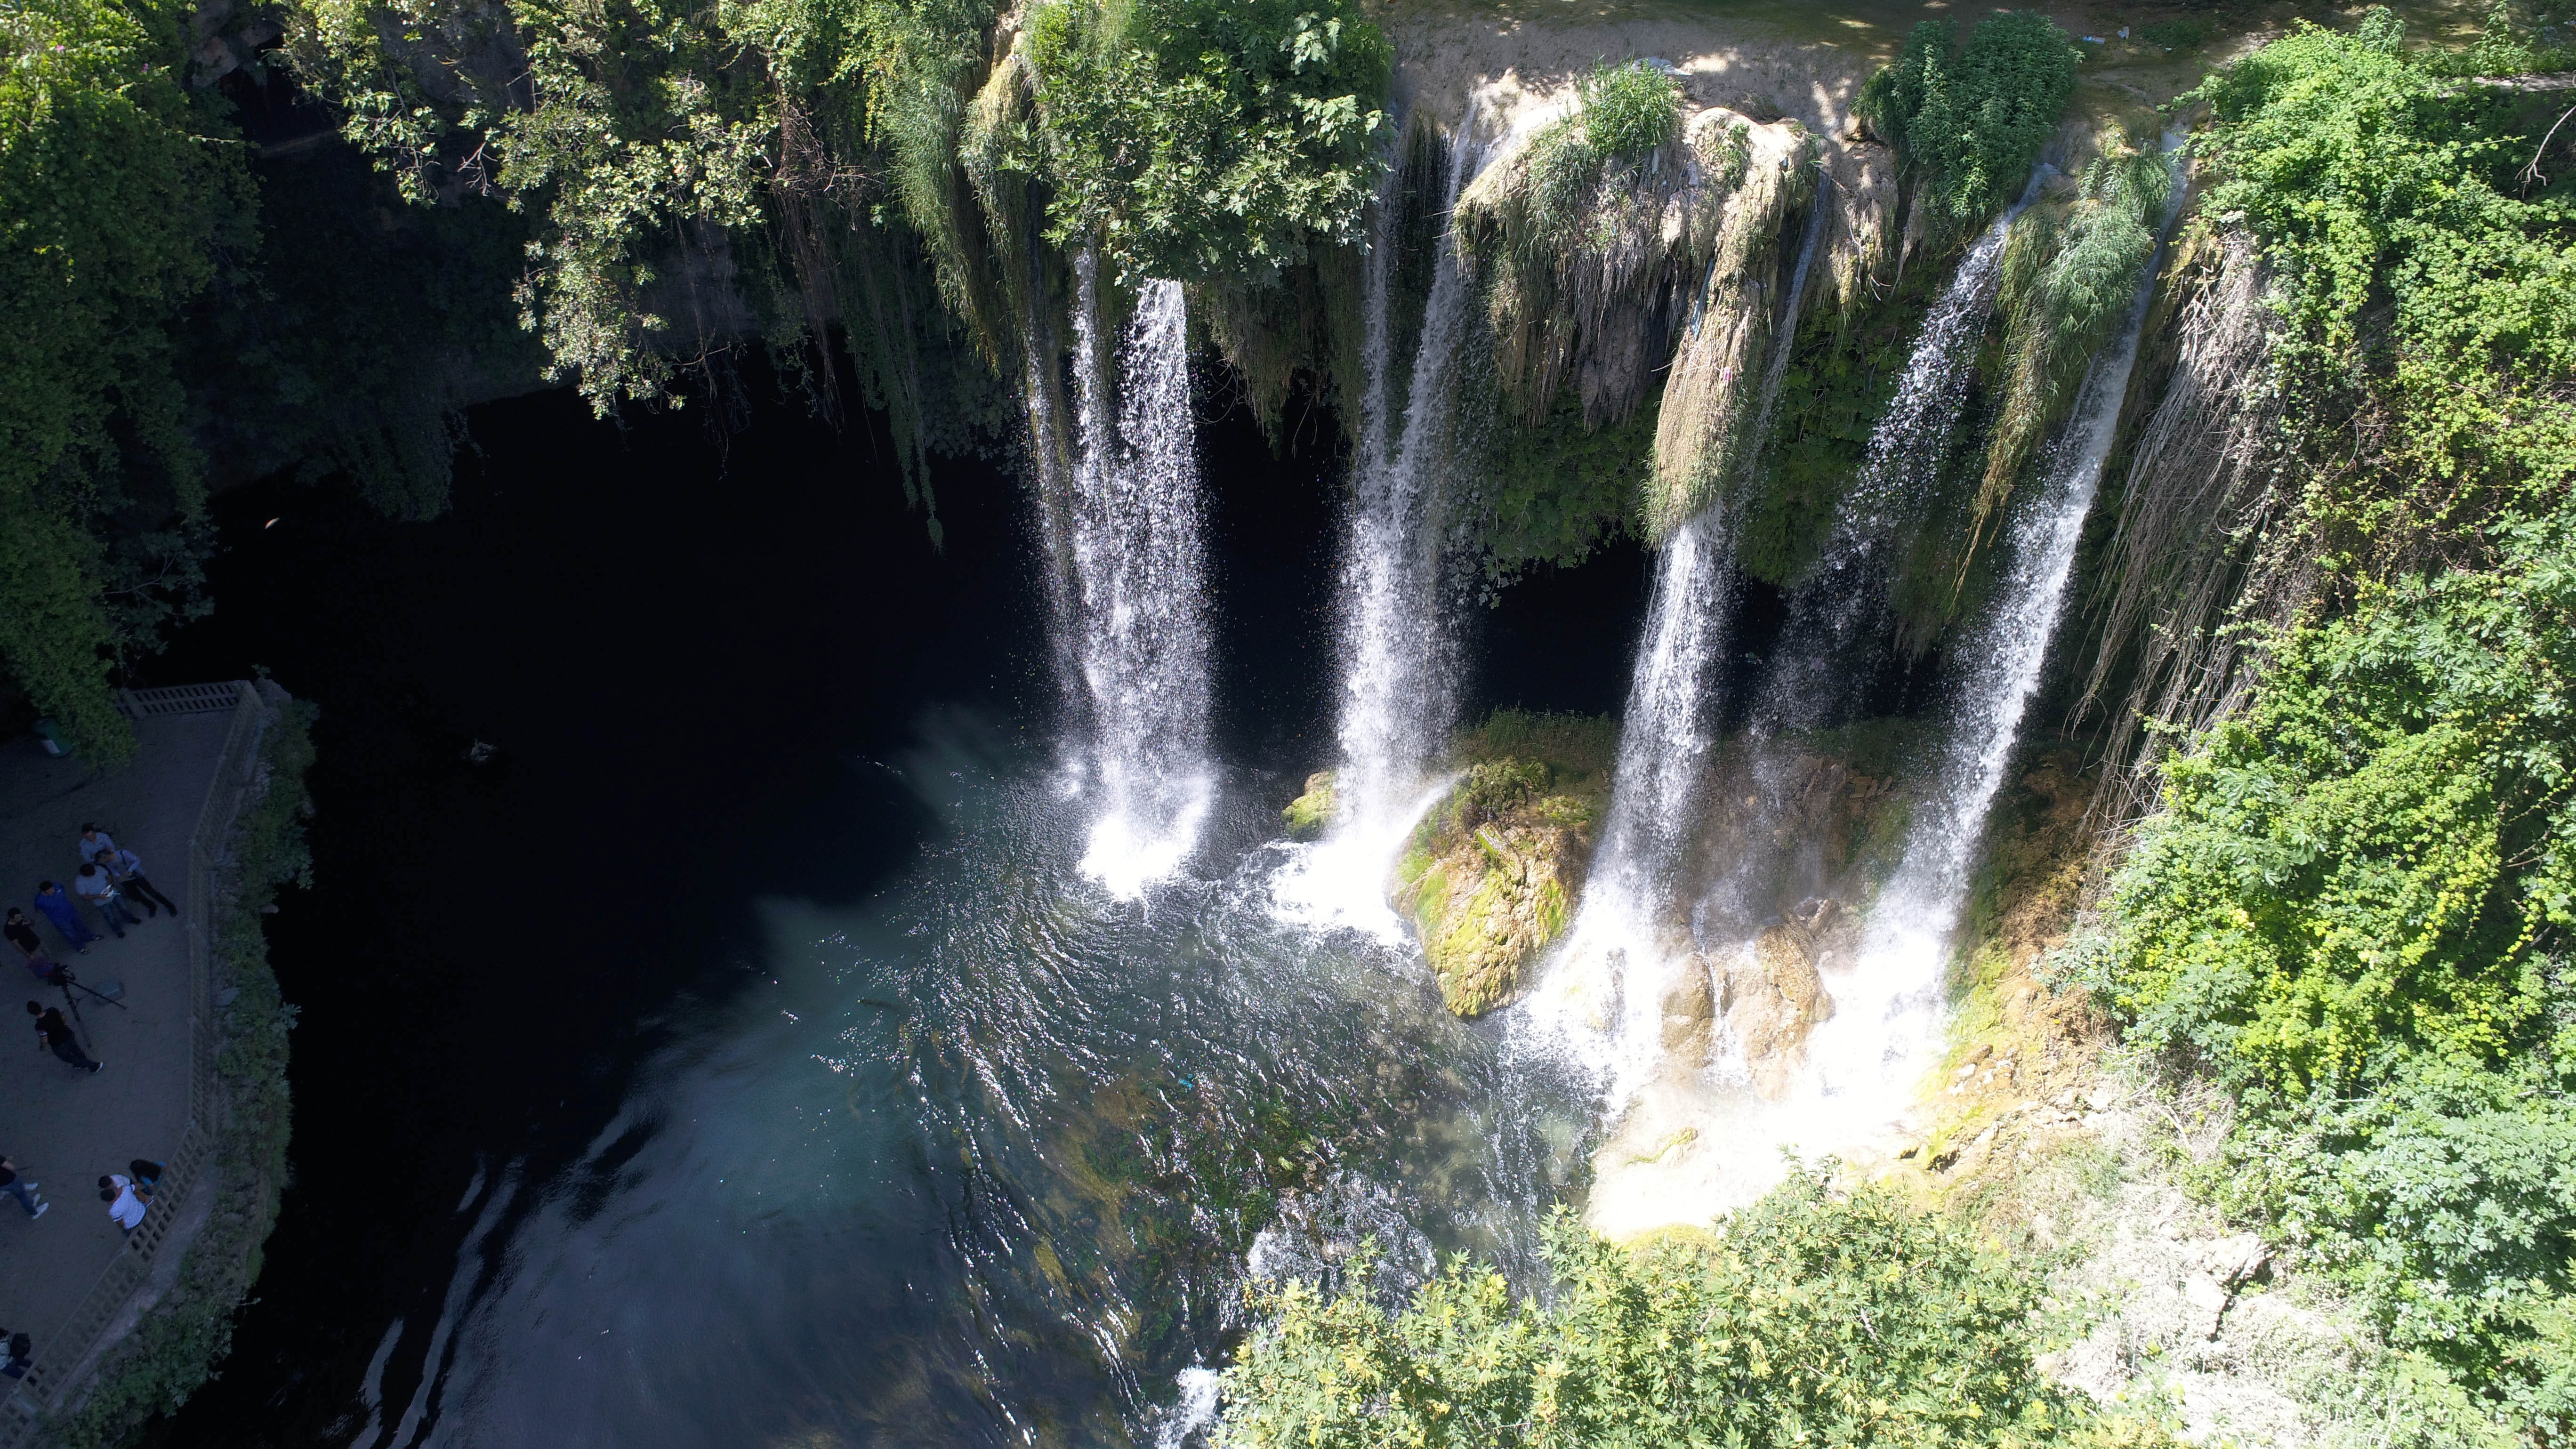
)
(70, 983)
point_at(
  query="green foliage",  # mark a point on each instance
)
(2415, 274)
(1806, 1318)
(1189, 139)
(2353, 909)
(2352, 912)
(1629, 110)
(1973, 119)
(119, 191)
(2068, 282)
(1555, 491)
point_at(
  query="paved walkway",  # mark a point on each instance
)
(65, 1127)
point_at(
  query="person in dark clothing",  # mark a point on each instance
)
(54, 1034)
(22, 934)
(24, 1192)
(125, 869)
(22, 1351)
(58, 908)
(99, 889)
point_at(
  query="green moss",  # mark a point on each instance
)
(1842, 370)
(1556, 490)
(1492, 873)
(1308, 814)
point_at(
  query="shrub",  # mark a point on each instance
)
(1973, 120)
(2352, 912)
(1806, 1318)
(1629, 110)
(1189, 139)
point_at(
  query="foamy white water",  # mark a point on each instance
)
(1601, 995)
(1138, 613)
(1398, 643)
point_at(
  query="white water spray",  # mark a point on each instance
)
(1398, 642)
(1905, 450)
(1887, 1013)
(1602, 996)
(1139, 626)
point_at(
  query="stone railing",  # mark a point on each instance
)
(64, 1363)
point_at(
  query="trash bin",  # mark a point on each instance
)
(51, 737)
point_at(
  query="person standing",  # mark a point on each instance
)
(99, 889)
(125, 870)
(22, 934)
(24, 1192)
(58, 909)
(53, 1034)
(92, 841)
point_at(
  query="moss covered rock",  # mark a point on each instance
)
(1494, 871)
(1308, 814)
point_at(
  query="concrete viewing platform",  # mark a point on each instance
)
(71, 1279)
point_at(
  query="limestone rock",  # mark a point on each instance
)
(1491, 879)
(1308, 814)
(1690, 1013)
(1772, 999)
(1486, 910)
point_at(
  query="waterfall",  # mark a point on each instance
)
(1602, 997)
(1887, 1014)
(1398, 670)
(1397, 642)
(1136, 616)
(1904, 453)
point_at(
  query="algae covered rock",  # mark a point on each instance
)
(1493, 875)
(1308, 814)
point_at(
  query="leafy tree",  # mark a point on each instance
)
(1806, 1318)
(1973, 119)
(1209, 138)
(119, 195)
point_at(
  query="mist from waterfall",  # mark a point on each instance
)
(1397, 633)
(1137, 616)
(1603, 996)
(1888, 1012)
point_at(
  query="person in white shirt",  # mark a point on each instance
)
(99, 889)
(117, 1191)
(92, 841)
(125, 870)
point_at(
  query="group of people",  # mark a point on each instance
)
(110, 882)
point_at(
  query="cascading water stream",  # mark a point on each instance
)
(1601, 997)
(1397, 675)
(1904, 449)
(1887, 1014)
(1397, 642)
(1137, 615)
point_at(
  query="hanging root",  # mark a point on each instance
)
(2195, 576)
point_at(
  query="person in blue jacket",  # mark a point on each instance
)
(58, 908)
